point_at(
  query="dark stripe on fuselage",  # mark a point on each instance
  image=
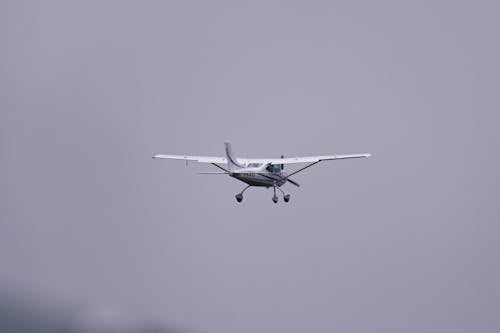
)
(259, 179)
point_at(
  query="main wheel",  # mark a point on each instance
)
(286, 198)
(239, 197)
(275, 199)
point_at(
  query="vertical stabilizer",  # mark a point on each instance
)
(232, 163)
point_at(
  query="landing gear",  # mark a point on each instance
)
(239, 196)
(286, 197)
(275, 198)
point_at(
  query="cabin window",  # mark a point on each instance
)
(273, 168)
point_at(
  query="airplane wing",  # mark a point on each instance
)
(312, 160)
(273, 161)
(306, 159)
(200, 159)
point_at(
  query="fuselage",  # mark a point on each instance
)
(261, 175)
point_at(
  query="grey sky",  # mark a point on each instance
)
(406, 241)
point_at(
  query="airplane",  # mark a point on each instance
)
(262, 172)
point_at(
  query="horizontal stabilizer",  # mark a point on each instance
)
(200, 159)
(213, 173)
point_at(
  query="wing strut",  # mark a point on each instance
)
(307, 166)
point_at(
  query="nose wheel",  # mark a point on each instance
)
(286, 197)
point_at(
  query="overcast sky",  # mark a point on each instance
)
(406, 241)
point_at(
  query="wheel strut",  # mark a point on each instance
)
(275, 197)
(286, 197)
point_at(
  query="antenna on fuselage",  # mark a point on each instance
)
(282, 165)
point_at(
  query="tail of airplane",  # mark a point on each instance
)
(232, 162)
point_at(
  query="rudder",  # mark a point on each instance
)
(232, 162)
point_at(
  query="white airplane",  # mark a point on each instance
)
(264, 172)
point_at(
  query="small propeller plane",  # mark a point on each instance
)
(263, 172)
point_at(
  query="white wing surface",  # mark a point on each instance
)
(200, 159)
(306, 159)
(273, 161)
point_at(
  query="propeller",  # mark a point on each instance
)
(282, 165)
(293, 182)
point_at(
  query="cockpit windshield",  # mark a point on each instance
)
(273, 168)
